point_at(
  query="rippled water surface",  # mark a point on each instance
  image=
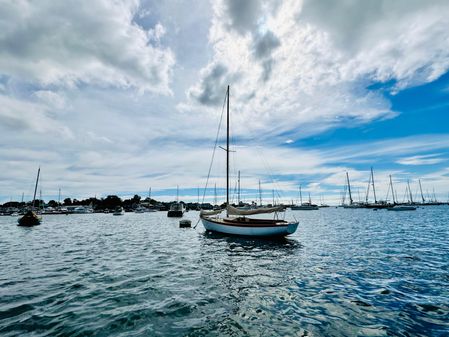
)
(343, 273)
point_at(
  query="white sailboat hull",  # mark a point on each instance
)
(242, 230)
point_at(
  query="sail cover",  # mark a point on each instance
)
(235, 211)
(204, 212)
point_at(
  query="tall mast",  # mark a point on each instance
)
(198, 195)
(310, 200)
(349, 188)
(392, 190)
(238, 192)
(227, 151)
(260, 194)
(300, 194)
(22, 197)
(422, 195)
(374, 188)
(410, 191)
(35, 187)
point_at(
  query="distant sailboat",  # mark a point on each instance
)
(304, 206)
(351, 204)
(396, 206)
(240, 224)
(31, 218)
(377, 203)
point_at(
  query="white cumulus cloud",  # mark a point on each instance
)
(72, 42)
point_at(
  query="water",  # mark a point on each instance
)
(344, 273)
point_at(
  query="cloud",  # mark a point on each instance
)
(265, 44)
(387, 148)
(405, 41)
(51, 98)
(75, 42)
(23, 117)
(241, 15)
(263, 47)
(305, 68)
(429, 159)
(210, 91)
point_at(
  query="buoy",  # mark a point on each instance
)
(185, 223)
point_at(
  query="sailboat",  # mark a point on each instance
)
(304, 206)
(150, 208)
(236, 221)
(377, 203)
(396, 206)
(31, 218)
(351, 204)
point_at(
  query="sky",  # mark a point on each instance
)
(115, 97)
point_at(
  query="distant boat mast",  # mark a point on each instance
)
(374, 188)
(238, 191)
(349, 188)
(35, 187)
(410, 191)
(422, 195)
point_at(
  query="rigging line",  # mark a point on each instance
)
(270, 171)
(215, 148)
(388, 192)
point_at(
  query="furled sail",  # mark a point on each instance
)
(263, 210)
(204, 212)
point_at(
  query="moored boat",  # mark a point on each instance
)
(118, 211)
(240, 224)
(30, 218)
(304, 206)
(176, 210)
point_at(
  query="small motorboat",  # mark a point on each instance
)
(176, 210)
(118, 211)
(139, 209)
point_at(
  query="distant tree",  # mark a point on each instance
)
(111, 202)
(67, 202)
(11, 204)
(129, 203)
(52, 203)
